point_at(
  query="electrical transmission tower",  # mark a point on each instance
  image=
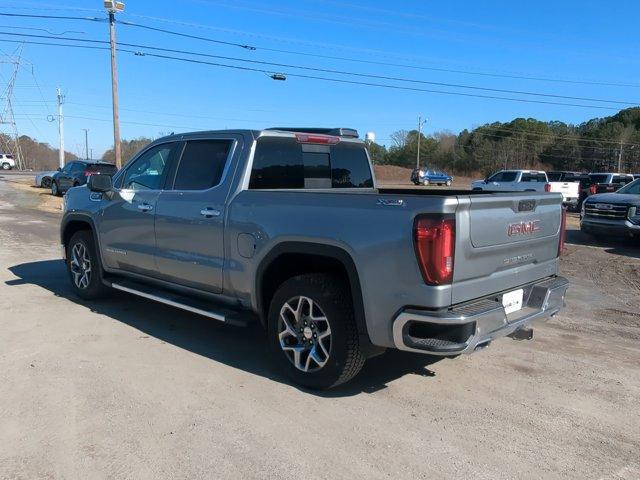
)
(9, 142)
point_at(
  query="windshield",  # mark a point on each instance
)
(632, 188)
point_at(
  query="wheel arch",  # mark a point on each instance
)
(289, 259)
(75, 222)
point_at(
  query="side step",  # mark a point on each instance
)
(174, 299)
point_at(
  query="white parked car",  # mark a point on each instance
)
(7, 162)
(514, 180)
(44, 179)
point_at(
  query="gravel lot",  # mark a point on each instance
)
(127, 388)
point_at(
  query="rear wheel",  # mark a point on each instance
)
(6, 166)
(83, 265)
(312, 331)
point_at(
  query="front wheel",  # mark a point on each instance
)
(83, 265)
(448, 183)
(55, 190)
(425, 183)
(6, 166)
(312, 331)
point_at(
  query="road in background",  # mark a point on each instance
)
(127, 388)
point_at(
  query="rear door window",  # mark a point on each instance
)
(202, 164)
(509, 176)
(533, 177)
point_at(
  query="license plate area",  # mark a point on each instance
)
(512, 301)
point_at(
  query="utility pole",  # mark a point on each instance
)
(61, 128)
(86, 143)
(620, 159)
(113, 7)
(7, 117)
(420, 124)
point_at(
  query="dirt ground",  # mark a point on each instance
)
(129, 389)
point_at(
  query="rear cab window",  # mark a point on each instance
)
(599, 178)
(284, 163)
(102, 168)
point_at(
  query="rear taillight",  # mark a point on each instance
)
(316, 138)
(563, 231)
(435, 241)
(88, 173)
(593, 189)
(547, 187)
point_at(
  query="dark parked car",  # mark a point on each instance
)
(430, 177)
(75, 173)
(613, 214)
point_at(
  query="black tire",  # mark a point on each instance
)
(94, 288)
(55, 188)
(331, 295)
(6, 166)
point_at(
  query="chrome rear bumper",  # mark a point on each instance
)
(469, 327)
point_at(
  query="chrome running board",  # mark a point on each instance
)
(176, 300)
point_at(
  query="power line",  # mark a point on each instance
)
(564, 137)
(343, 72)
(330, 57)
(327, 79)
(194, 37)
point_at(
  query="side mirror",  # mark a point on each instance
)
(100, 183)
(486, 179)
(59, 169)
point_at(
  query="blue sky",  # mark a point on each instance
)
(584, 41)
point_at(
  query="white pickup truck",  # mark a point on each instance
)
(514, 181)
(568, 184)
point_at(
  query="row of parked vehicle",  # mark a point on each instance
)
(73, 174)
(575, 187)
(609, 203)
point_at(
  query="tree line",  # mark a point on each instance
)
(597, 144)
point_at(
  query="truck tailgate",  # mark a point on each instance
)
(503, 241)
(567, 189)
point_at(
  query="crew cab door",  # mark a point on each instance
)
(191, 211)
(126, 226)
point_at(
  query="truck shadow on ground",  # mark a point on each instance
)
(242, 348)
(629, 247)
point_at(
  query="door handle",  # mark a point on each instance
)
(209, 212)
(145, 207)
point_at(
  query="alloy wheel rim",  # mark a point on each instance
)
(304, 334)
(80, 266)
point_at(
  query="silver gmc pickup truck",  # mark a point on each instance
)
(287, 227)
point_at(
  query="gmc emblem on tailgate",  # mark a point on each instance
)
(523, 228)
